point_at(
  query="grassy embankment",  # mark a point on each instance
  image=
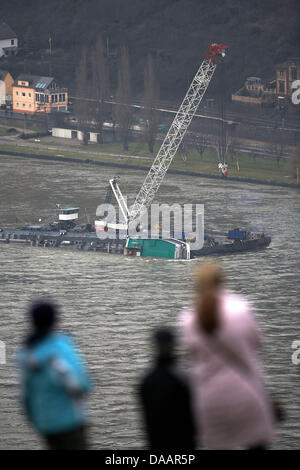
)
(6, 125)
(242, 165)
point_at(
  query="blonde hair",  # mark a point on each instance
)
(208, 278)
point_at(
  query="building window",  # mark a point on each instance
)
(12, 42)
(281, 73)
(294, 73)
(281, 86)
(17, 93)
(29, 105)
(23, 94)
(46, 99)
(29, 94)
(37, 97)
(23, 105)
(17, 104)
(23, 83)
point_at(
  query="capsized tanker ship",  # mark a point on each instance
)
(235, 241)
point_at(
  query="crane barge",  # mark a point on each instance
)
(65, 232)
(166, 153)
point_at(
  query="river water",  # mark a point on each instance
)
(112, 303)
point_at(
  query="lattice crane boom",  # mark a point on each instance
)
(176, 132)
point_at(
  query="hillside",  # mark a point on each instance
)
(260, 33)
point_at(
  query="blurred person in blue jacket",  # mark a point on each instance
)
(55, 382)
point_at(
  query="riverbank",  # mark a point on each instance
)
(243, 169)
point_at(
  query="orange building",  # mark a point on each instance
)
(35, 94)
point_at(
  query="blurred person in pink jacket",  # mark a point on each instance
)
(222, 339)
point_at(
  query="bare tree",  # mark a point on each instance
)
(277, 144)
(150, 114)
(123, 110)
(100, 87)
(202, 144)
(232, 140)
(183, 151)
(277, 151)
(295, 160)
(82, 104)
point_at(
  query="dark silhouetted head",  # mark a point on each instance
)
(164, 341)
(43, 316)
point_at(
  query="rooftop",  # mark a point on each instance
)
(6, 32)
(69, 209)
(3, 74)
(35, 81)
(253, 79)
(288, 62)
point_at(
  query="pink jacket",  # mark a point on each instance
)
(231, 406)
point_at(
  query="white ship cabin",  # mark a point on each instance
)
(68, 213)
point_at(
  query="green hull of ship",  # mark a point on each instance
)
(154, 248)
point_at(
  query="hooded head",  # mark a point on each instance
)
(164, 341)
(43, 316)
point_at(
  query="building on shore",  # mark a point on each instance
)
(74, 134)
(286, 74)
(6, 81)
(257, 91)
(8, 41)
(35, 94)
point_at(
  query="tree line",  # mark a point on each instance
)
(94, 96)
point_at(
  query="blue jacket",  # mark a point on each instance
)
(55, 382)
